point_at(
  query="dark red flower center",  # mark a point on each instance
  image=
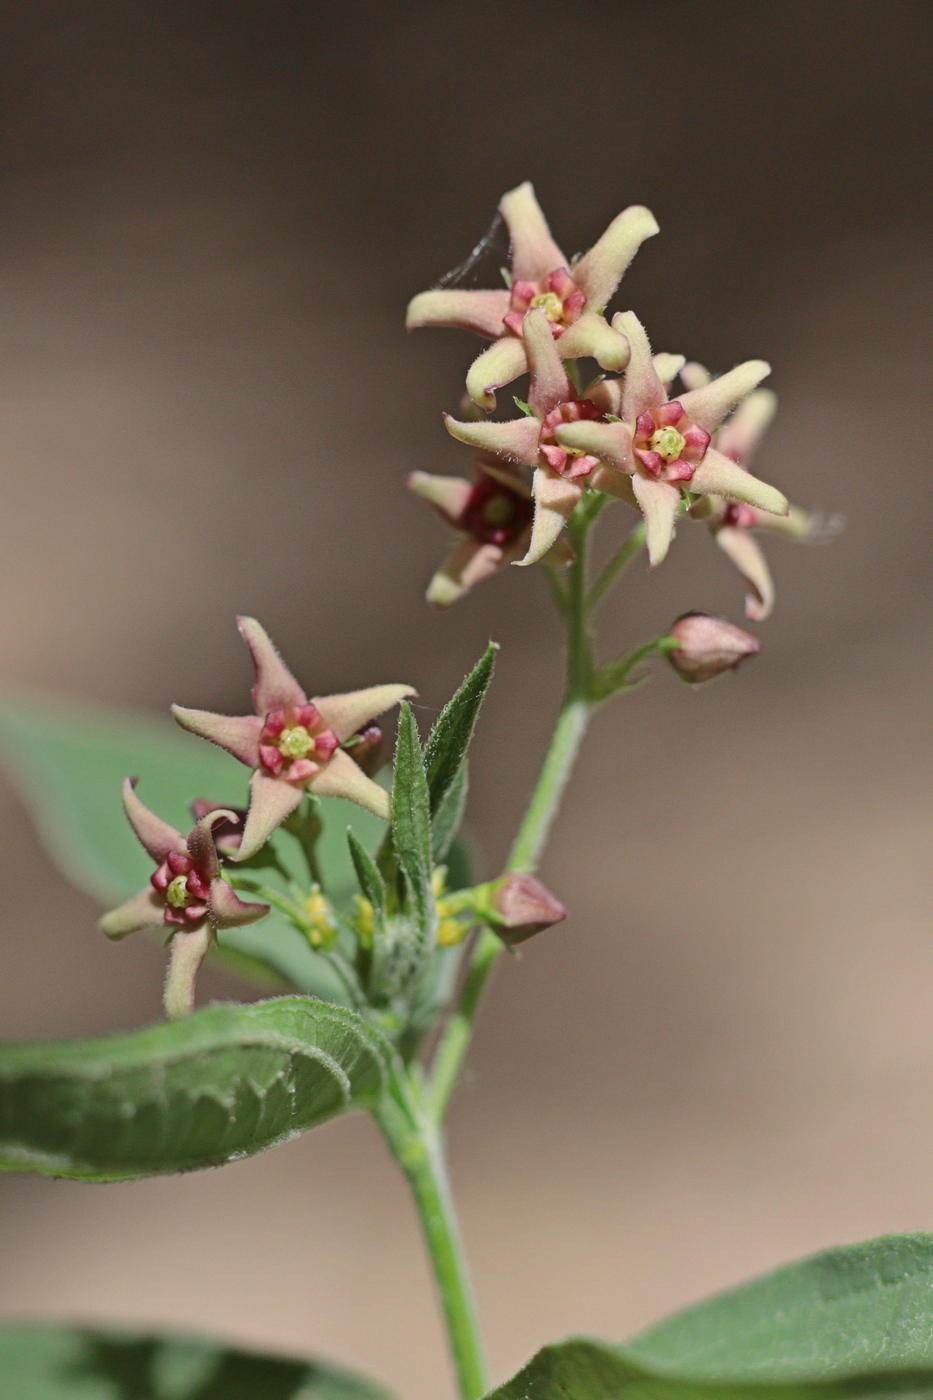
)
(494, 514)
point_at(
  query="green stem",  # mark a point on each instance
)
(417, 1145)
(626, 552)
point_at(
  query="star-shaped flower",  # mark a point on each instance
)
(293, 743)
(661, 445)
(532, 441)
(572, 296)
(187, 893)
(492, 516)
(731, 522)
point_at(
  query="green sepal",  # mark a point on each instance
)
(221, 1084)
(45, 1361)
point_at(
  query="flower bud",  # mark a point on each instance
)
(707, 646)
(519, 906)
(366, 748)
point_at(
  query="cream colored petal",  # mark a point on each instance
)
(642, 388)
(613, 483)
(347, 713)
(238, 734)
(668, 367)
(534, 252)
(709, 405)
(606, 394)
(509, 476)
(275, 685)
(659, 502)
(447, 494)
(555, 499)
(590, 335)
(610, 442)
(600, 271)
(549, 384)
(694, 375)
(341, 777)
(478, 311)
(271, 800)
(516, 440)
(720, 476)
(467, 564)
(188, 951)
(560, 555)
(155, 836)
(504, 361)
(144, 910)
(746, 555)
(748, 424)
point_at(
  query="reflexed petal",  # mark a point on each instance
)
(709, 405)
(227, 910)
(600, 271)
(534, 252)
(201, 846)
(659, 504)
(560, 554)
(642, 388)
(344, 778)
(508, 476)
(606, 394)
(516, 440)
(550, 384)
(238, 734)
(345, 714)
(188, 951)
(745, 428)
(271, 800)
(720, 476)
(610, 442)
(504, 361)
(447, 494)
(467, 564)
(155, 836)
(477, 311)
(144, 910)
(613, 483)
(668, 367)
(746, 554)
(275, 685)
(694, 375)
(555, 499)
(590, 335)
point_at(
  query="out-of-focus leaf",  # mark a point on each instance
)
(224, 1083)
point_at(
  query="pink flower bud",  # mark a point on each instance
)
(707, 646)
(520, 906)
(365, 747)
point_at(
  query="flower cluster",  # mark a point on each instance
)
(623, 434)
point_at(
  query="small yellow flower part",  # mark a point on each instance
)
(323, 930)
(438, 880)
(450, 932)
(363, 920)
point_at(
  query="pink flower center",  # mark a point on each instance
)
(558, 296)
(295, 743)
(667, 444)
(739, 515)
(494, 514)
(183, 887)
(567, 461)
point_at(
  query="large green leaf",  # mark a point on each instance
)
(854, 1321)
(67, 759)
(449, 740)
(48, 1362)
(224, 1083)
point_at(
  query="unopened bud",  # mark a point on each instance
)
(519, 906)
(707, 646)
(366, 748)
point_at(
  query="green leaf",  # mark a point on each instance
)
(411, 822)
(449, 815)
(67, 759)
(224, 1083)
(40, 1361)
(448, 741)
(367, 872)
(850, 1322)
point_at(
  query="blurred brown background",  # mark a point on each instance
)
(212, 216)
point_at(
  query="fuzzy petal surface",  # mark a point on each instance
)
(534, 252)
(693, 375)
(610, 442)
(201, 846)
(447, 494)
(616, 484)
(668, 367)
(516, 440)
(642, 388)
(238, 734)
(347, 713)
(478, 311)
(188, 951)
(227, 910)
(746, 554)
(606, 395)
(720, 476)
(748, 424)
(504, 361)
(550, 384)
(343, 778)
(144, 910)
(709, 405)
(600, 271)
(555, 498)
(275, 685)
(271, 800)
(659, 503)
(468, 563)
(590, 335)
(155, 836)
